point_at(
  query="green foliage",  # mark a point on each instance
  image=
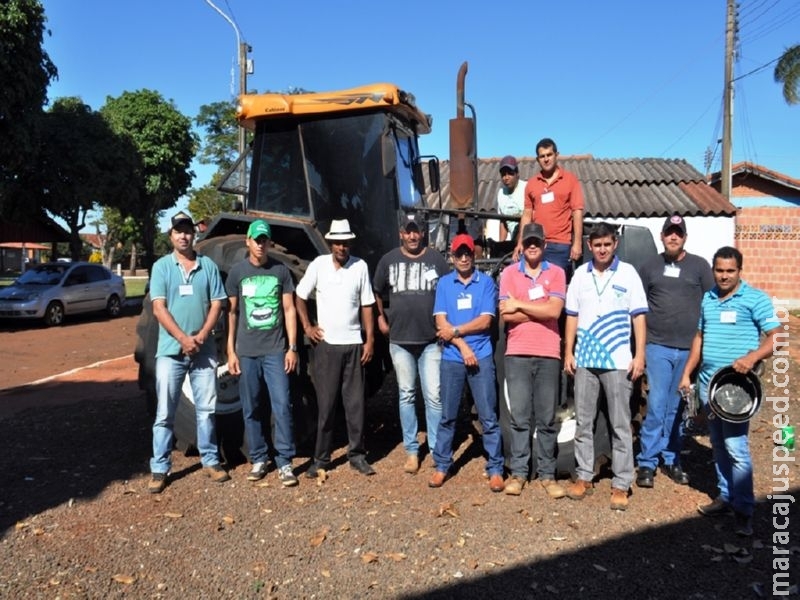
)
(82, 163)
(165, 144)
(219, 146)
(787, 72)
(207, 202)
(25, 72)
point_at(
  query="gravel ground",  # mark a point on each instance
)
(76, 521)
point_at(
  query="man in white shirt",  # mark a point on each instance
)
(344, 301)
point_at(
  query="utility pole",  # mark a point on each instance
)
(245, 67)
(727, 119)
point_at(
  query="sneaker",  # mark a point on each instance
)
(157, 483)
(412, 464)
(287, 476)
(553, 488)
(258, 471)
(514, 485)
(717, 507)
(744, 525)
(619, 499)
(216, 473)
(579, 489)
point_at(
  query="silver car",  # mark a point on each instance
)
(52, 290)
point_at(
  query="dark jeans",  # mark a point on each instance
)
(532, 382)
(338, 367)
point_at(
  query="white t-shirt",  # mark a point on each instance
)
(507, 204)
(340, 293)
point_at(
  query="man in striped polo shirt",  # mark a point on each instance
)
(733, 316)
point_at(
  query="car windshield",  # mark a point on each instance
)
(43, 275)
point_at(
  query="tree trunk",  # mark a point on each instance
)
(132, 269)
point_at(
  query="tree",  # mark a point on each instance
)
(220, 143)
(787, 72)
(166, 145)
(81, 164)
(207, 202)
(25, 70)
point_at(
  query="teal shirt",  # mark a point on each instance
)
(731, 328)
(188, 309)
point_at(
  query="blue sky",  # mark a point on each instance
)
(615, 79)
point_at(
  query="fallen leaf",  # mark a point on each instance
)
(551, 589)
(461, 541)
(448, 509)
(472, 564)
(126, 579)
(21, 525)
(229, 520)
(38, 531)
(344, 527)
(558, 538)
(478, 502)
(172, 515)
(730, 548)
(600, 568)
(319, 537)
(369, 557)
(743, 558)
(420, 533)
(396, 556)
(325, 573)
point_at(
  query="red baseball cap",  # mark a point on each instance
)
(462, 239)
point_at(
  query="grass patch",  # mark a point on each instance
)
(135, 287)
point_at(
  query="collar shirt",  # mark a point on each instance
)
(732, 327)
(554, 203)
(604, 304)
(533, 338)
(461, 303)
(339, 293)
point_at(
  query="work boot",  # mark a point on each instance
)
(216, 473)
(644, 479)
(514, 486)
(619, 499)
(579, 489)
(553, 488)
(412, 464)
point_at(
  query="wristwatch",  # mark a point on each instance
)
(456, 333)
(293, 347)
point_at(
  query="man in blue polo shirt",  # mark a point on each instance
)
(733, 317)
(605, 303)
(463, 308)
(187, 294)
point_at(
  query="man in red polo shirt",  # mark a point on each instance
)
(554, 199)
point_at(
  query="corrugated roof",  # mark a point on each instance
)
(613, 188)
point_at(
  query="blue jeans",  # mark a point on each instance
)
(617, 387)
(731, 449)
(558, 254)
(268, 368)
(532, 383)
(170, 373)
(482, 384)
(407, 361)
(662, 429)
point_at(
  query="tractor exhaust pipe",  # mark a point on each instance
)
(463, 152)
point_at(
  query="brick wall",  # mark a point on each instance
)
(769, 239)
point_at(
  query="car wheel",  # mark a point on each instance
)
(114, 306)
(54, 314)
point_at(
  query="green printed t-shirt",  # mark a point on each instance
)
(260, 290)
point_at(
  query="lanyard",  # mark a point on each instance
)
(596, 289)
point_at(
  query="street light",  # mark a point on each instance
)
(245, 67)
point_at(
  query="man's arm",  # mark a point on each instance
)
(314, 333)
(211, 320)
(383, 322)
(515, 310)
(189, 345)
(527, 217)
(368, 323)
(576, 251)
(745, 363)
(290, 322)
(692, 361)
(636, 368)
(570, 331)
(233, 320)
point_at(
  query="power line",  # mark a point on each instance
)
(757, 69)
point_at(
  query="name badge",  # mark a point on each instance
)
(548, 197)
(727, 316)
(672, 271)
(464, 303)
(536, 292)
(431, 275)
(248, 290)
(186, 289)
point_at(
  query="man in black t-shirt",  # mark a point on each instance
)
(674, 282)
(407, 276)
